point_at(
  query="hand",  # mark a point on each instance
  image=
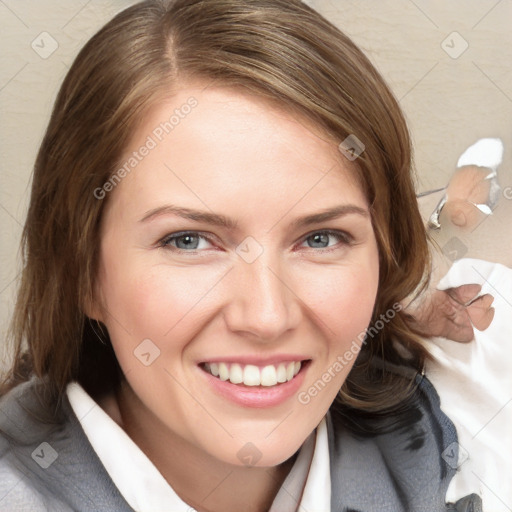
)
(453, 313)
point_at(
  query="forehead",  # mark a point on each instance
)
(211, 144)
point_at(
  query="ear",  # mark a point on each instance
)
(91, 306)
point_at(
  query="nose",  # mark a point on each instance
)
(262, 303)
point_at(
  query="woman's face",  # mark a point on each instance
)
(237, 243)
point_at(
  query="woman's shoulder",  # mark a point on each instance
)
(407, 457)
(28, 417)
(24, 433)
(46, 461)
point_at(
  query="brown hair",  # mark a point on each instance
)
(278, 49)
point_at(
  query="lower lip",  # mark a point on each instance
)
(257, 396)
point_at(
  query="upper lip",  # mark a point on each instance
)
(257, 360)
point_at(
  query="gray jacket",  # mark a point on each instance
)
(47, 462)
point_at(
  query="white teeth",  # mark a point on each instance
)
(289, 371)
(223, 371)
(281, 373)
(251, 375)
(269, 376)
(214, 369)
(236, 374)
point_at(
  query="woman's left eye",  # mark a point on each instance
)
(320, 239)
(186, 241)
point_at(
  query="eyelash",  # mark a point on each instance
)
(345, 238)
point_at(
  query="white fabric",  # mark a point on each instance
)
(484, 153)
(317, 493)
(146, 490)
(313, 458)
(474, 381)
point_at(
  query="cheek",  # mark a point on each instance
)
(343, 307)
(343, 299)
(151, 301)
(166, 295)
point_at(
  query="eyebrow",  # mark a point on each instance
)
(330, 214)
(216, 219)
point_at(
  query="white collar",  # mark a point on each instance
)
(145, 489)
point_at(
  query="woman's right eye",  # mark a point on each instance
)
(187, 241)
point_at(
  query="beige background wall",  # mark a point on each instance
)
(451, 97)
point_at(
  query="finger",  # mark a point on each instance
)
(481, 313)
(464, 294)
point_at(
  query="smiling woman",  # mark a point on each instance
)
(177, 313)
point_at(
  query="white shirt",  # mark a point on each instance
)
(475, 385)
(146, 490)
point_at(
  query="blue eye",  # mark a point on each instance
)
(185, 241)
(320, 239)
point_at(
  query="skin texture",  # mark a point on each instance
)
(453, 313)
(241, 157)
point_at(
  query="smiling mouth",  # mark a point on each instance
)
(252, 375)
